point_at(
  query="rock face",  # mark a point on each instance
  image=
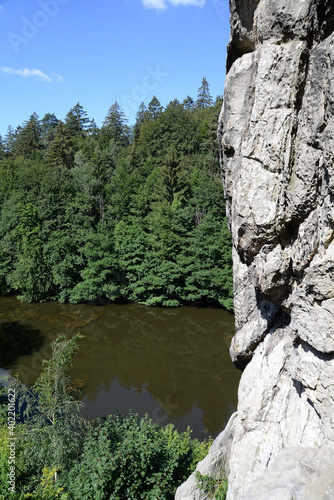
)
(277, 141)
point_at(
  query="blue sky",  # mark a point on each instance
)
(55, 53)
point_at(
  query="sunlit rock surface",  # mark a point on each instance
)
(276, 134)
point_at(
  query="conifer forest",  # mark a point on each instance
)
(116, 213)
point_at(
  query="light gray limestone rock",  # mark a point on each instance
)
(277, 147)
(215, 464)
(276, 133)
(297, 474)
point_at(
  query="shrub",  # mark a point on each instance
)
(128, 457)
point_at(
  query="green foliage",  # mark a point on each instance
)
(31, 274)
(48, 129)
(154, 108)
(49, 488)
(222, 490)
(206, 483)
(212, 485)
(204, 99)
(76, 121)
(90, 214)
(9, 140)
(128, 457)
(114, 125)
(171, 185)
(28, 141)
(4, 452)
(101, 277)
(60, 152)
(52, 430)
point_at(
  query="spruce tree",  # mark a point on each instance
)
(77, 121)
(114, 125)
(189, 103)
(28, 140)
(9, 140)
(60, 153)
(204, 99)
(2, 147)
(48, 128)
(93, 129)
(171, 182)
(142, 114)
(154, 108)
(174, 104)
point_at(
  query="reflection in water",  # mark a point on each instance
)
(171, 363)
(17, 339)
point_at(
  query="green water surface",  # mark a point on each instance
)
(170, 363)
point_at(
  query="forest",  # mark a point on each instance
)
(116, 213)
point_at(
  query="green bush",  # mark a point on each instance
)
(128, 457)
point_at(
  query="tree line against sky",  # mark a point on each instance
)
(116, 213)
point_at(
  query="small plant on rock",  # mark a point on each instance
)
(212, 485)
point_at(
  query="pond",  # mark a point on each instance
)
(172, 364)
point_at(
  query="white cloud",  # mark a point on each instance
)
(154, 4)
(162, 4)
(37, 73)
(59, 77)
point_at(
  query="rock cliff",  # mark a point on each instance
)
(276, 134)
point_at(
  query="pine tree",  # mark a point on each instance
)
(204, 99)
